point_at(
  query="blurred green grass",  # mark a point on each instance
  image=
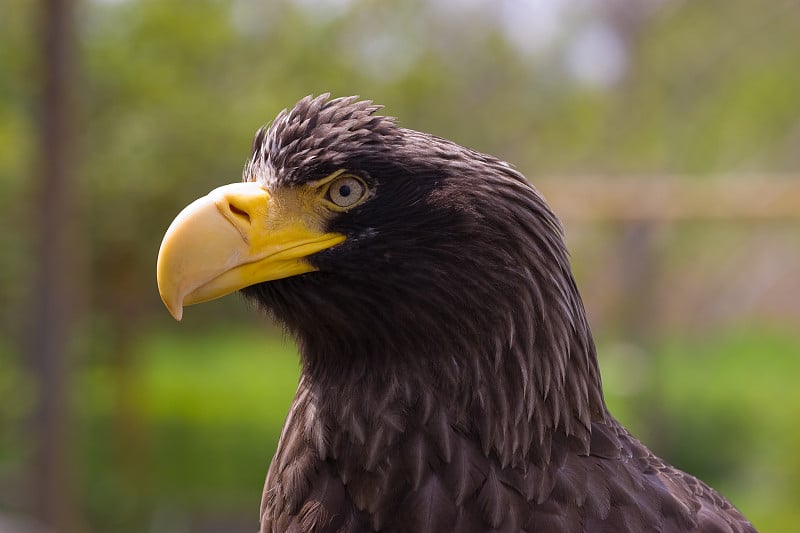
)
(206, 412)
(717, 406)
(218, 399)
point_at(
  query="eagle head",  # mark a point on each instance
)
(382, 248)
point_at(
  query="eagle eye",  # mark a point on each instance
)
(346, 191)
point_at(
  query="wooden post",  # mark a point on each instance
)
(54, 221)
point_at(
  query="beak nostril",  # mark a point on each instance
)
(240, 213)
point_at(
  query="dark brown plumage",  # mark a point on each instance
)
(449, 380)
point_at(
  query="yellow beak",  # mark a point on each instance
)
(234, 237)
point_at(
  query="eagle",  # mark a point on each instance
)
(449, 377)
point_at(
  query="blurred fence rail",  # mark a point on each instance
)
(673, 198)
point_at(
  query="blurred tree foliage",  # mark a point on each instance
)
(171, 95)
(171, 92)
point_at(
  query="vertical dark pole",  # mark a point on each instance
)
(54, 316)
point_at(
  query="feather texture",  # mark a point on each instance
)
(450, 380)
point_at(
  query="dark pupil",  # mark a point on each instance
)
(344, 190)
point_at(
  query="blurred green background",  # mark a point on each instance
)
(114, 114)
